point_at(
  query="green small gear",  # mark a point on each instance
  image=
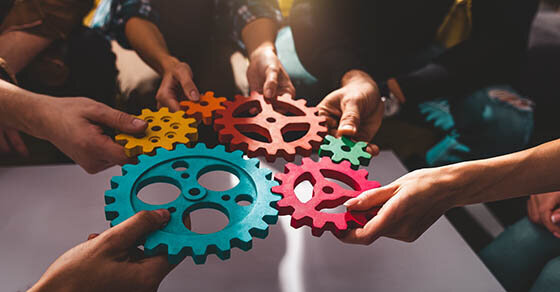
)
(343, 148)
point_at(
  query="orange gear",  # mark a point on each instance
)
(164, 130)
(204, 109)
(267, 127)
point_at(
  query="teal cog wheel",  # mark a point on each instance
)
(245, 222)
(343, 148)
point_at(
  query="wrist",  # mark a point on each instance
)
(263, 49)
(166, 64)
(457, 183)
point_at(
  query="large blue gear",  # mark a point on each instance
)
(245, 222)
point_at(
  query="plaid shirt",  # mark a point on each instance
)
(231, 15)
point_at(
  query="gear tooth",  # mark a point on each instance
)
(150, 243)
(146, 112)
(174, 249)
(181, 148)
(363, 173)
(116, 180)
(164, 110)
(200, 146)
(161, 151)
(199, 249)
(220, 147)
(260, 230)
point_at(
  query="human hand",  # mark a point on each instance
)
(410, 205)
(177, 84)
(266, 74)
(74, 126)
(110, 261)
(354, 110)
(543, 209)
(11, 140)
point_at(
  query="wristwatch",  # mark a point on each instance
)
(392, 105)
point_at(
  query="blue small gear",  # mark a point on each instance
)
(182, 167)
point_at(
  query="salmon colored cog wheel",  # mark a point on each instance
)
(282, 127)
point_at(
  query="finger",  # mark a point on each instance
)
(117, 120)
(184, 76)
(286, 86)
(4, 146)
(546, 219)
(555, 217)
(112, 152)
(127, 234)
(372, 149)
(532, 211)
(368, 234)
(271, 82)
(371, 198)
(350, 119)
(16, 142)
(92, 236)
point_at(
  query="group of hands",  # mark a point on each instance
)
(112, 261)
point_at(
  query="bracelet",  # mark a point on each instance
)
(6, 73)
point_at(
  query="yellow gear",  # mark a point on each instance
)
(164, 130)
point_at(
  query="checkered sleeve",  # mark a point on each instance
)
(113, 21)
(242, 12)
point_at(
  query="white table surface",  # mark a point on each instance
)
(48, 209)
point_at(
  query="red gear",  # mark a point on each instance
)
(326, 194)
(270, 119)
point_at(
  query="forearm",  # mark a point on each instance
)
(19, 108)
(147, 40)
(533, 171)
(19, 48)
(259, 34)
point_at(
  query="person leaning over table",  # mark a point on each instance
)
(110, 261)
(44, 48)
(195, 32)
(412, 203)
(453, 61)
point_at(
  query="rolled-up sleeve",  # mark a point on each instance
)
(112, 21)
(238, 13)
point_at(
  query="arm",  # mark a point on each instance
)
(415, 201)
(258, 27)
(71, 124)
(110, 261)
(177, 77)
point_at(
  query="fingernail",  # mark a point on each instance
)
(195, 95)
(164, 213)
(268, 93)
(347, 128)
(351, 202)
(556, 234)
(555, 218)
(138, 123)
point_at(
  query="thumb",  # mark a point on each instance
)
(370, 198)
(134, 229)
(350, 119)
(118, 120)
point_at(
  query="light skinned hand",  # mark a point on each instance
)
(355, 109)
(544, 209)
(10, 140)
(74, 125)
(410, 205)
(176, 85)
(110, 261)
(267, 75)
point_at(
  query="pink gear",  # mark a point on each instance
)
(326, 194)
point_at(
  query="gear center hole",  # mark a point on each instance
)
(271, 120)
(346, 148)
(203, 103)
